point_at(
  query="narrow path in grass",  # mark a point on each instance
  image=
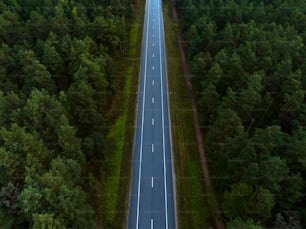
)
(217, 218)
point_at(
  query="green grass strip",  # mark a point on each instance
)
(117, 134)
(192, 203)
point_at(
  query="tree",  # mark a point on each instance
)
(247, 57)
(35, 74)
(239, 223)
(239, 161)
(59, 22)
(94, 72)
(70, 145)
(80, 24)
(47, 221)
(13, 157)
(236, 201)
(10, 29)
(261, 205)
(57, 61)
(267, 141)
(38, 25)
(201, 62)
(293, 97)
(272, 172)
(57, 192)
(295, 154)
(227, 124)
(52, 60)
(208, 101)
(42, 113)
(250, 98)
(192, 36)
(106, 32)
(83, 107)
(291, 193)
(215, 73)
(9, 109)
(229, 101)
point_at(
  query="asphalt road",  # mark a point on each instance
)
(152, 199)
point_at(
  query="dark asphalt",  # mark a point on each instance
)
(152, 199)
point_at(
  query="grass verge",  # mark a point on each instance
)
(114, 198)
(192, 203)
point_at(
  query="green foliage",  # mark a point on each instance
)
(57, 190)
(244, 202)
(56, 87)
(46, 221)
(34, 73)
(235, 203)
(249, 76)
(261, 205)
(240, 224)
(209, 98)
(228, 124)
(6, 220)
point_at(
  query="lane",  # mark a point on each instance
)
(151, 201)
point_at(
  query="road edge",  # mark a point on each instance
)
(170, 127)
(135, 117)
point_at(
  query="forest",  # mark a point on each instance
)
(248, 66)
(57, 80)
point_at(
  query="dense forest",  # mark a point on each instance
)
(57, 79)
(249, 74)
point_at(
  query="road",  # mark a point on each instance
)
(152, 200)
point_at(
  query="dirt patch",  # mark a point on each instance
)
(217, 218)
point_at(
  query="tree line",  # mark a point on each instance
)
(248, 71)
(57, 77)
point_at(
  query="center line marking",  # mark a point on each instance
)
(152, 121)
(152, 182)
(153, 100)
(152, 148)
(153, 82)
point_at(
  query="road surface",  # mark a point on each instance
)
(152, 199)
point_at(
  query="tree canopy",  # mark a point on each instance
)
(56, 80)
(248, 64)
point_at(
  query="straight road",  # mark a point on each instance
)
(152, 199)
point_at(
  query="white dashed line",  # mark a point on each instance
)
(152, 121)
(152, 148)
(152, 182)
(153, 100)
(142, 121)
(153, 67)
(152, 224)
(153, 82)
